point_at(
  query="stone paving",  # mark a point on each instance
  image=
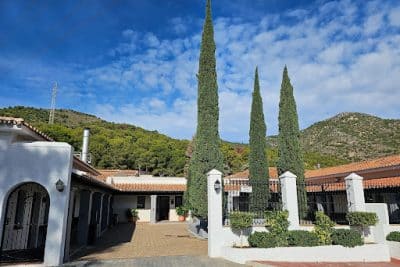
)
(166, 261)
(147, 240)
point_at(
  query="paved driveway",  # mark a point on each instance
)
(147, 240)
(166, 261)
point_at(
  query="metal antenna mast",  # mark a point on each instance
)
(53, 103)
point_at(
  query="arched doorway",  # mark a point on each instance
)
(25, 224)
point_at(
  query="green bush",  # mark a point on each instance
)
(363, 219)
(241, 220)
(182, 211)
(277, 224)
(346, 238)
(323, 228)
(301, 238)
(393, 236)
(262, 240)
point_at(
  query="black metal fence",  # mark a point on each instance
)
(385, 190)
(250, 196)
(329, 198)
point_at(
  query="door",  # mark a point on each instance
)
(25, 225)
(162, 208)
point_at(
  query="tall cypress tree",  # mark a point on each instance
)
(206, 151)
(258, 164)
(289, 149)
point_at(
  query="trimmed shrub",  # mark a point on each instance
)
(301, 238)
(241, 220)
(393, 236)
(262, 240)
(277, 224)
(323, 228)
(346, 238)
(363, 219)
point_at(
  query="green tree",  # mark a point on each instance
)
(289, 148)
(206, 152)
(258, 164)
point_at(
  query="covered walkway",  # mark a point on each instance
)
(145, 240)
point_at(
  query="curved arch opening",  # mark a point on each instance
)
(25, 224)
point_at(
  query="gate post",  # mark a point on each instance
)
(289, 198)
(355, 192)
(215, 241)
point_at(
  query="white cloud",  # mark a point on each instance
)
(335, 63)
(394, 17)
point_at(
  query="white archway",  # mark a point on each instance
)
(25, 225)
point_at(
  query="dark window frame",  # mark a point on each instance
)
(20, 209)
(142, 204)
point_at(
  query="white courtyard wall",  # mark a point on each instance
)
(43, 163)
(124, 202)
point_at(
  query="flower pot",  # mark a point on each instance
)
(181, 218)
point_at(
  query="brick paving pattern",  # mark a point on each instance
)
(147, 240)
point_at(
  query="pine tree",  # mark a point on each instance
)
(289, 148)
(258, 164)
(206, 151)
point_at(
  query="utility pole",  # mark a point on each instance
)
(53, 103)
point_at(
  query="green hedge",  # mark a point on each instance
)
(262, 240)
(277, 224)
(323, 228)
(360, 218)
(241, 220)
(346, 238)
(301, 238)
(393, 236)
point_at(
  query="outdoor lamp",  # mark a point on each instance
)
(217, 186)
(60, 185)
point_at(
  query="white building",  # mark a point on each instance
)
(52, 203)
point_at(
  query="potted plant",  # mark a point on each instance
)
(132, 215)
(182, 213)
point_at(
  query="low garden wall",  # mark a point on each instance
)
(394, 248)
(366, 253)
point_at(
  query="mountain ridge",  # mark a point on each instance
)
(345, 137)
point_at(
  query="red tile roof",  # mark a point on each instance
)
(151, 187)
(273, 173)
(355, 167)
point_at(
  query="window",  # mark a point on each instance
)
(19, 215)
(141, 200)
(178, 201)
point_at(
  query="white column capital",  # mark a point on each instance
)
(214, 172)
(288, 174)
(353, 176)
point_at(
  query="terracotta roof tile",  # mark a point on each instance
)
(151, 187)
(273, 173)
(116, 172)
(355, 167)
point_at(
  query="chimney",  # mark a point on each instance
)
(85, 145)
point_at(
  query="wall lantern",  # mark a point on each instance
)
(60, 185)
(217, 186)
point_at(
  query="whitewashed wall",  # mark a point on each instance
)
(124, 202)
(43, 163)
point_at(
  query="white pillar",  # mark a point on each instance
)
(289, 198)
(153, 208)
(214, 213)
(355, 192)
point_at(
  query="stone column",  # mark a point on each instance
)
(214, 213)
(153, 209)
(355, 192)
(289, 198)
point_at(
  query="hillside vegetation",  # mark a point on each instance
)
(343, 138)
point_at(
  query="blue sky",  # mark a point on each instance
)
(136, 61)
